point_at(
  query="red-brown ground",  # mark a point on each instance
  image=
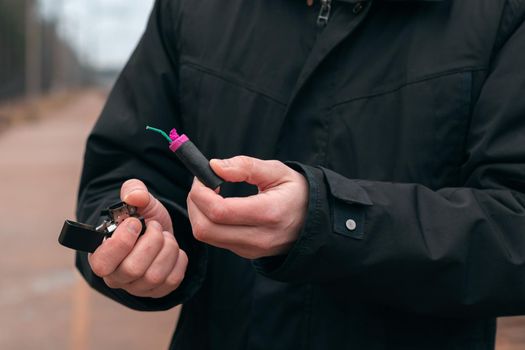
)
(44, 304)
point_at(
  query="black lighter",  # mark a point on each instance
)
(87, 238)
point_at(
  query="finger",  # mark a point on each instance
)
(254, 210)
(249, 242)
(222, 236)
(262, 173)
(114, 250)
(135, 193)
(174, 279)
(246, 241)
(138, 261)
(160, 268)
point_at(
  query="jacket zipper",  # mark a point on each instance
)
(324, 13)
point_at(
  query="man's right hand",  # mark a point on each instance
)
(152, 265)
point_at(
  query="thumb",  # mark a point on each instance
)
(262, 173)
(135, 193)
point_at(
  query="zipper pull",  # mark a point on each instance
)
(324, 13)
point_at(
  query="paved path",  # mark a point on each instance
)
(43, 302)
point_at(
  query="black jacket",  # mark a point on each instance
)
(407, 117)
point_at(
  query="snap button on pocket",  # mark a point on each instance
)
(351, 225)
(348, 219)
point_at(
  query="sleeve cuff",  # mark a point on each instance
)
(336, 211)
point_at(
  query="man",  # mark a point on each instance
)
(398, 220)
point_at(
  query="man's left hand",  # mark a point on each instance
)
(265, 224)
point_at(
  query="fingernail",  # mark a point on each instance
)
(134, 226)
(130, 192)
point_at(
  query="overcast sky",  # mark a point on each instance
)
(104, 32)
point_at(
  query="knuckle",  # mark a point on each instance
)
(131, 270)
(248, 164)
(154, 205)
(151, 207)
(155, 238)
(99, 268)
(217, 213)
(272, 215)
(200, 231)
(172, 244)
(264, 243)
(247, 161)
(174, 280)
(193, 190)
(154, 278)
(275, 164)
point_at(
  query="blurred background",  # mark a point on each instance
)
(58, 60)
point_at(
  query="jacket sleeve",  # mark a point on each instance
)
(119, 149)
(457, 252)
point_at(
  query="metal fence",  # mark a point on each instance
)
(33, 57)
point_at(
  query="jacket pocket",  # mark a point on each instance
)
(348, 202)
